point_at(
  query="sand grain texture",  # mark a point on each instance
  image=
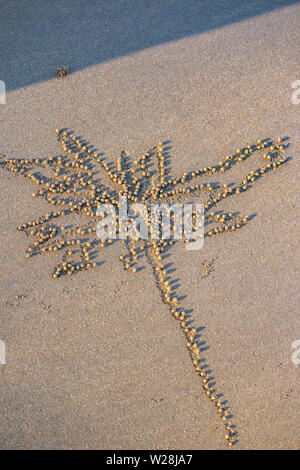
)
(87, 371)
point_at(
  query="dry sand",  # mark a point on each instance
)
(105, 366)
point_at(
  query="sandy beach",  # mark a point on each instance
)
(96, 361)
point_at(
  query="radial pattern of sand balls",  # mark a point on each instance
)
(71, 184)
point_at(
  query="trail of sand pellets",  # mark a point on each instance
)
(71, 184)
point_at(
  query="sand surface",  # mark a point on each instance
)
(96, 361)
